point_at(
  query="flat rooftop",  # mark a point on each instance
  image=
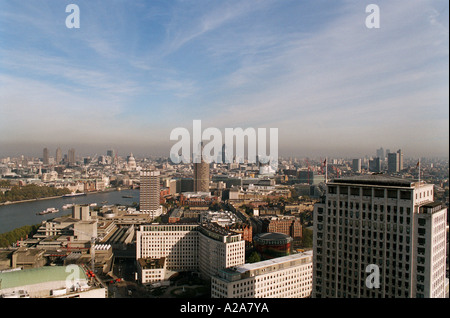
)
(274, 261)
(375, 179)
(38, 275)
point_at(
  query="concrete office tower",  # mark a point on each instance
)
(45, 157)
(219, 248)
(400, 159)
(71, 156)
(201, 174)
(81, 212)
(58, 156)
(375, 165)
(377, 236)
(149, 194)
(282, 277)
(205, 248)
(356, 165)
(393, 162)
(380, 153)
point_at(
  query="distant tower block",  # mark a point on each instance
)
(201, 175)
(45, 159)
(58, 156)
(149, 195)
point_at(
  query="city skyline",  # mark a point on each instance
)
(134, 71)
(102, 152)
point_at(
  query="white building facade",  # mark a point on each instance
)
(282, 277)
(189, 247)
(149, 193)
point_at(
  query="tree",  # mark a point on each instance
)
(307, 238)
(254, 257)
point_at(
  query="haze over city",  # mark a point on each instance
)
(135, 70)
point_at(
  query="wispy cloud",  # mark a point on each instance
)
(310, 68)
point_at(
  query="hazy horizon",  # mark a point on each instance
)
(135, 70)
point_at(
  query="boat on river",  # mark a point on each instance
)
(47, 211)
(73, 194)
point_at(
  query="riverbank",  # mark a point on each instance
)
(13, 216)
(60, 196)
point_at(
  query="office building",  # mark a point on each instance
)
(45, 158)
(393, 162)
(400, 159)
(282, 277)
(306, 176)
(205, 248)
(380, 153)
(356, 165)
(378, 236)
(201, 175)
(375, 165)
(149, 194)
(71, 156)
(288, 225)
(201, 172)
(58, 156)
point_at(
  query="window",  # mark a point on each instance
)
(379, 193)
(392, 194)
(405, 195)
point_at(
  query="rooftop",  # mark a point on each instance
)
(272, 237)
(34, 276)
(273, 261)
(376, 179)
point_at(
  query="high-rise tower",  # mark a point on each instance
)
(377, 236)
(393, 162)
(201, 173)
(149, 194)
(71, 156)
(58, 156)
(45, 157)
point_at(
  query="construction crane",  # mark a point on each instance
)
(337, 170)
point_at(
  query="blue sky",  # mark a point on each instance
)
(135, 70)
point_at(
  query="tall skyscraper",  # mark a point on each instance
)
(356, 165)
(400, 159)
(393, 162)
(380, 153)
(377, 236)
(375, 165)
(149, 194)
(58, 155)
(201, 174)
(45, 156)
(71, 156)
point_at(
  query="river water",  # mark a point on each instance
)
(16, 215)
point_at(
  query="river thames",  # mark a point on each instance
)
(15, 215)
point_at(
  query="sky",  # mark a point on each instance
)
(135, 70)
